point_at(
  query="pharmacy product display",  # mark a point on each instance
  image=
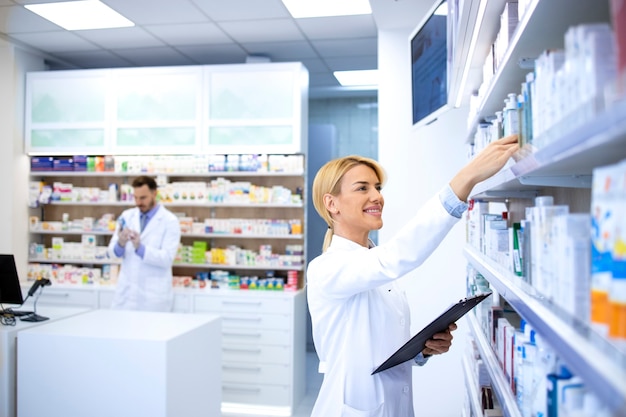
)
(224, 241)
(546, 233)
(241, 255)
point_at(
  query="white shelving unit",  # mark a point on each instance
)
(601, 364)
(564, 167)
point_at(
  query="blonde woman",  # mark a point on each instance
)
(358, 314)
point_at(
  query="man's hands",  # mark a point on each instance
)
(440, 342)
(127, 235)
(123, 237)
(134, 238)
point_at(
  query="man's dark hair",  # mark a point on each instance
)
(145, 180)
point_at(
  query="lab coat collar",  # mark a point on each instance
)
(341, 243)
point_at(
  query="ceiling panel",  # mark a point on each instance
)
(146, 57)
(338, 27)
(54, 41)
(220, 10)
(94, 59)
(281, 51)
(345, 47)
(155, 12)
(189, 33)
(214, 54)
(133, 37)
(17, 19)
(271, 30)
(200, 32)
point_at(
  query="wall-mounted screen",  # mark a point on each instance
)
(429, 65)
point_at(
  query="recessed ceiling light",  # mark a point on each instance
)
(80, 15)
(325, 8)
(357, 78)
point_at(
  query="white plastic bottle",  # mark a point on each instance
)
(511, 115)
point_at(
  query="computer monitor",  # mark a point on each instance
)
(10, 290)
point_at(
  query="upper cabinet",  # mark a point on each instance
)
(156, 107)
(67, 111)
(268, 120)
(259, 108)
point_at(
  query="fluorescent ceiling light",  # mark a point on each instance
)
(354, 78)
(80, 15)
(325, 8)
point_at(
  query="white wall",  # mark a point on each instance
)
(14, 164)
(418, 163)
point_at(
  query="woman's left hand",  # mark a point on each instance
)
(440, 342)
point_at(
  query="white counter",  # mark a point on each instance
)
(8, 352)
(121, 363)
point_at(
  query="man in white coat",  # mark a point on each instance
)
(146, 239)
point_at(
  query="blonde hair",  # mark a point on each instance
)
(328, 181)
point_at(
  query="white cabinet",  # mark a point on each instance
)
(263, 347)
(249, 108)
(561, 169)
(263, 339)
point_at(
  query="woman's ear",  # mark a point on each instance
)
(329, 203)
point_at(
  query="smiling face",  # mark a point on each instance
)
(358, 208)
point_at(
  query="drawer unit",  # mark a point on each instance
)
(270, 395)
(249, 373)
(256, 354)
(245, 302)
(66, 297)
(255, 337)
(255, 321)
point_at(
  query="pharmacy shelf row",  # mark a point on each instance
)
(189, 235)
(600, 363)
(210, 174)
(498, 382)
(176, 264)
(203, 204)
(542, 26)
(568, 161)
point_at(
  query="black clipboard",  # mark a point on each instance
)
(417, 343)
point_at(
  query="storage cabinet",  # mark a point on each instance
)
(562, 169)
(250, 108)
(263, 347)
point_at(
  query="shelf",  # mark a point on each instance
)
(241, 236)
(568, 161)
(201, 205)
(498, 382)
(467, 66)
(72, 232)
(166, 174)
(595, 359)
(472, 387)
(75, 261)
(542, 27)
(189, 235)
(240, 267)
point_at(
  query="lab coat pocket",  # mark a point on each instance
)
(348, 411)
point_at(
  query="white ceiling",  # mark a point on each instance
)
(199, 32)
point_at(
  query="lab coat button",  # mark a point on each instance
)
(402, 322)
(405, 389)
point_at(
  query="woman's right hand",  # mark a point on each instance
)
(484, 165)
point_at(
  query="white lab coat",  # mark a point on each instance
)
(146, 284)
(360, 316)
